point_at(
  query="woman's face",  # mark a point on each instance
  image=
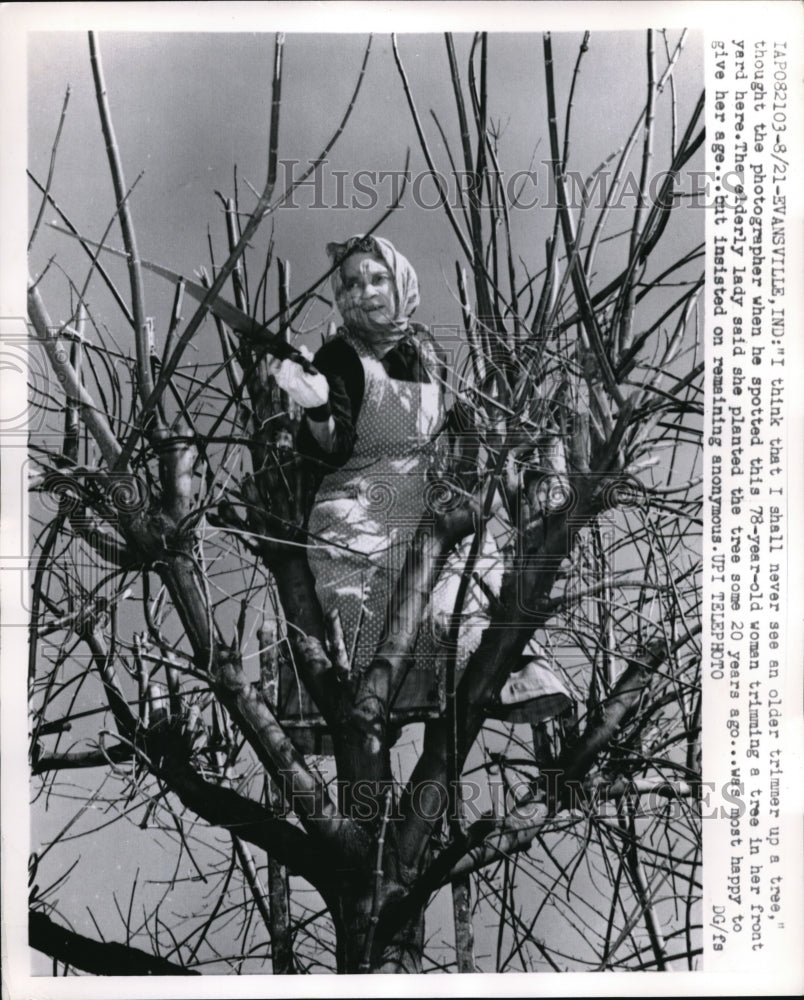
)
(369, 293)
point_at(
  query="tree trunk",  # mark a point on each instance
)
(361, 950)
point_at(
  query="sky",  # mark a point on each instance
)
(188, 108)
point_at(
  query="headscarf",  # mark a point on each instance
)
(406, 283)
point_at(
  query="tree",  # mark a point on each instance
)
(172, 583)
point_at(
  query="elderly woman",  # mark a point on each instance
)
(370, 420)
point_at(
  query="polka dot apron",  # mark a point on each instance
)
(366, 512)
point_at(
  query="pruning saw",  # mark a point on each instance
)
(238, 320)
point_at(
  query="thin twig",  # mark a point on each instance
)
(443, 194)
(126, 224)
(578, 277)
(51, 168)
(625, 331)
(365, 965)
(121, 303)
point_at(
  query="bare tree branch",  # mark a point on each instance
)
(91, 415)
(126, 224)
(101, 958)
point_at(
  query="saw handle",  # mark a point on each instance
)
(281, 349)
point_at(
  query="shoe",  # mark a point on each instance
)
(532, 694)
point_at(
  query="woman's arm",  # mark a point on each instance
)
(327, 433)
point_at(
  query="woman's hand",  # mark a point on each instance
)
(307, 390)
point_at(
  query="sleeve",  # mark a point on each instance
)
(338, 361)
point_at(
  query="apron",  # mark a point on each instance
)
(367, 511)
